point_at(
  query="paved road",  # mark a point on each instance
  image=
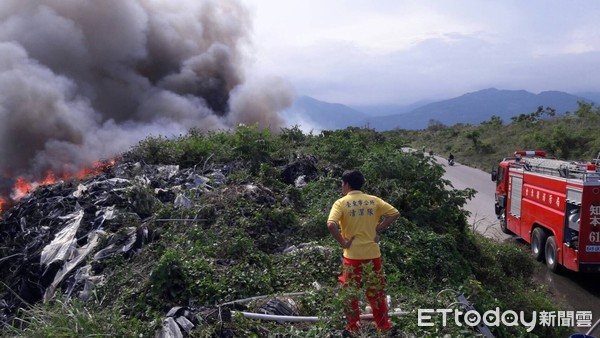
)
(578, 292)
(483, 218)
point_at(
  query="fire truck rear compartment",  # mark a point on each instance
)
(554, 205)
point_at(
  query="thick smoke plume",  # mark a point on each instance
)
(84, 80)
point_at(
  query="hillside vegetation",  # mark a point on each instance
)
(237, 240)
(572, 136)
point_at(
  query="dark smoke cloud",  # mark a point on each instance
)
(83, 80)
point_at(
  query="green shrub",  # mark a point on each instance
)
(169, 279)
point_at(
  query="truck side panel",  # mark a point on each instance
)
(589, 231)
(542, 202)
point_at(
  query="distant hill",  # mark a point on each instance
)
(385, 110)
(476, 107)
(314, 115)
(471, 108)
(590, 96)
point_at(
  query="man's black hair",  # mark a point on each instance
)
(353, 177)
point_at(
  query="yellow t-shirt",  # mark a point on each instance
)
(358, 214)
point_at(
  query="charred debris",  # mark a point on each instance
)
(57, 238)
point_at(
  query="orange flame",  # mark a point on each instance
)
(2, 204)
(49, 179)
(23, 187)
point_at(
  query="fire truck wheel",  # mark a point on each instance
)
(551, 254)
(538, 243)
(503, 226)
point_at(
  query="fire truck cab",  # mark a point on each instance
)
(554, 205)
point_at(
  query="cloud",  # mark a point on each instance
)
(388, 52)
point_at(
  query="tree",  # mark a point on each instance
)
(435, 125)
(535, 116)
(495, 121)
(586, 110)
(473, 135)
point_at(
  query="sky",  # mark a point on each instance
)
(398, 52)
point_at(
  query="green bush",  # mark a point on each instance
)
(169, 280)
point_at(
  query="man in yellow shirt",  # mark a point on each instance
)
(357, 215)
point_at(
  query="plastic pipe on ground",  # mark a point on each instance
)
(246, 300)
(262, 316)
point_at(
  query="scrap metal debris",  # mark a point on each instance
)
(180, 321)
(300, 171)
(51, 238)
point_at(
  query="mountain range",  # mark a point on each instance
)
(471, 108)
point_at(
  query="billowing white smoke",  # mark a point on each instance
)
(83, 80)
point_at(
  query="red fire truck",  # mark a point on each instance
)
(554, 205)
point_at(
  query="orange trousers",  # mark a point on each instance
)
(353, 276)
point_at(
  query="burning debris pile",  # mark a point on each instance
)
(56, 241)
(74, 89)
(46, 239)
